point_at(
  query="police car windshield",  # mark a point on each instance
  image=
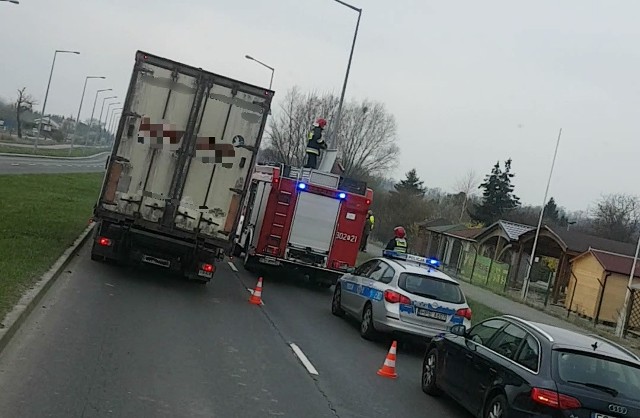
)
(430, 287)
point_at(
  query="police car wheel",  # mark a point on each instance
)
(429, 371)
(336, 302)
(367, 331)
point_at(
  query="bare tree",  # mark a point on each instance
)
(617, 217)
(365, 141)
(467, 184)
(24, 102)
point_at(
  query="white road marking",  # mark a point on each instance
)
(15, 164)
(305, 361)
(233, 266)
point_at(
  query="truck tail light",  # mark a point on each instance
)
(206, 267)
(104, 242)
(554, 399)
(465, 313)
(395, 297)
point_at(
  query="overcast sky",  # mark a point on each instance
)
(470, 82)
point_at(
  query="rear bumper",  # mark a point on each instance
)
(389, 325)
(275, 261)
(132, 245)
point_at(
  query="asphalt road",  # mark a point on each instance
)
(24, 165)
(110, 341)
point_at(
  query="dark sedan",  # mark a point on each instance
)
(506, 367)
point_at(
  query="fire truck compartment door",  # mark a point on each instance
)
(314, 222)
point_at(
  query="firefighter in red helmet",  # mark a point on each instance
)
(315, 143)
(399, 242)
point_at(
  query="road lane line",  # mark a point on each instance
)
(305, 361)
(233, 267)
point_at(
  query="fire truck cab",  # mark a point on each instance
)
(303, 219)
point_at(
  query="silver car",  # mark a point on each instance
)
(401, 293)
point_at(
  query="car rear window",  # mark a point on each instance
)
(430, 287)
(607, 373)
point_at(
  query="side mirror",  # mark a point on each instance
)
(459, 330)
(350, 270)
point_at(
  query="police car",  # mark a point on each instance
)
(401, 293)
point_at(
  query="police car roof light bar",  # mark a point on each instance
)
(431, 262)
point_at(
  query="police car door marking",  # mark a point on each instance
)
(366, 291)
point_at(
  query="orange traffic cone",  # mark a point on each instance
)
(256, 295)
(389, 367)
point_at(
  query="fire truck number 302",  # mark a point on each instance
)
(346, 237)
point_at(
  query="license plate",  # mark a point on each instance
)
(433, 315)
(598, 415)
(156, 261)
(207, 274)
(271, 261)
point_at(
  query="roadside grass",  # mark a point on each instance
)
(480, 311)
(75, 152)
(41, 215)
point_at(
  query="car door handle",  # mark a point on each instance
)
(469, 356)
(492, 370)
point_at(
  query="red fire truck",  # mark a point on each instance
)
(303, 219)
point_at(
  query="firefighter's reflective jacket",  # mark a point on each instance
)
(315, 142)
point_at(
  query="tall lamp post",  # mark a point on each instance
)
(102, 109)
(525, 285)
(46, 95)
(92, 113)
(115, 113)
(80, 107)
(106, 118)
(336, 125)
(249, 57)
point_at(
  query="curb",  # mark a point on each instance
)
(48, 157)
(33, 296)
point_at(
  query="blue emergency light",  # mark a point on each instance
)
(342, 195)
(302, 186)
(431, 262)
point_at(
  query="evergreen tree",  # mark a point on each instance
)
(497, 196)
(411, 185)
(551, 212)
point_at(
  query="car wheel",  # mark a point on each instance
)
(429, 372)
(496, 408)
(367, 331)
(336, 302)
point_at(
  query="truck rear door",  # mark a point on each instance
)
(185, 148)
(314, 222)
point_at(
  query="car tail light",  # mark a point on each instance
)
(395, 297)
(465, 313)
(207, 268)
(104, 242)
(554, 399)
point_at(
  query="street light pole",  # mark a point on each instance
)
(106, 118)
(113, 118)
(46, 95)
(102, 110)
(336, 125)
(622, 319)
(249, 57)
(86, 138)
(525, 286)
(75, 131)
